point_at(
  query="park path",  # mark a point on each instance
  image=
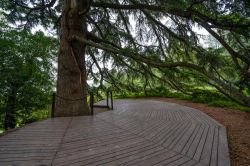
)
(137, 132)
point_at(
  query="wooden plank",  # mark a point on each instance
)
(100, 106)
(156, 158)
(201, 144)
(178, 147)
(223, 152)
(113, 152)
(96, 150)
(207, 150)
(175, 161)
(173, 138)
(137, 132)
(192, 148)
(128, 156)
(214, 155)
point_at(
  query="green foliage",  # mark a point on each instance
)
(228, 104)
(153, 93)
(206, 96)
(27, 73)
(37, 115)
(167, 36)
(223, 103)
(210, 97)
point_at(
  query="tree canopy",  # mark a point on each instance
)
(27, 78)
(156, 41)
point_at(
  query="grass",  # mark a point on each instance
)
(211, 98)
(229, 104)
(41, 114)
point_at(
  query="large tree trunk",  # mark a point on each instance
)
(71, 97)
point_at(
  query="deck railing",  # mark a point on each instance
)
(53, 105)
(91, 103)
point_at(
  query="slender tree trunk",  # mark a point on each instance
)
(10, 111)
(71, 97)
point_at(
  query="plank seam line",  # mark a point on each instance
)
(122, 155)
(103, 154)
(60, 144)
(150, 140)
(176, 134)
(211, 152)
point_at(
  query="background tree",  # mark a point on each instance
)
(26, 69)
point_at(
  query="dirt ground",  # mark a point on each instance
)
(237, 124)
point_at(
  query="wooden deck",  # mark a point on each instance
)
(136, 132)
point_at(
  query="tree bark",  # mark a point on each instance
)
(71, 96)
(10, 110)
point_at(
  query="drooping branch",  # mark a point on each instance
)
(128, 6)
(188, 13)
(38, 7)
(98, 66)
(224, 43)
(138, 57)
